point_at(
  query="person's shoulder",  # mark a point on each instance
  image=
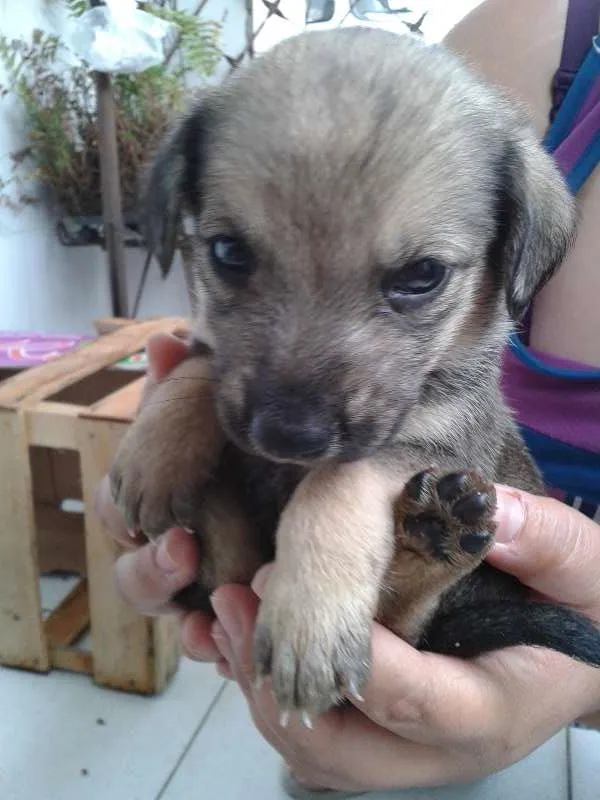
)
(516, 46)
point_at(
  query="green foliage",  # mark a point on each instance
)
(199, 39)
(59, 103)
(77, 7)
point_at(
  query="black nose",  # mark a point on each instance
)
(292, 423)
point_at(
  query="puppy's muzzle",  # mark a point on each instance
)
(292, 424)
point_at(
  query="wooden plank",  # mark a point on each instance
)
(51, 425)
(122, 640)
(67, 622)
(22, 640)
(33, 385)
(166, 650)
(121, 405)
(72, 660)
(61, 542)
(104, 325)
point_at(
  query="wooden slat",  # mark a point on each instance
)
(22, 641)
(51, 425)
(121, 639)
(33, 385)
(121, 405)
(105, 325)
(166, 650)
(67, 622)
(72, 660)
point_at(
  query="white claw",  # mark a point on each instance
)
(307, 721)
(189, 530)
(258, 683)
(284, 719)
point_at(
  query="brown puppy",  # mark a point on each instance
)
(368, 219)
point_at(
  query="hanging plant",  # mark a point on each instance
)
(57, 95)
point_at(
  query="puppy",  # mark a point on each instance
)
(369, 220)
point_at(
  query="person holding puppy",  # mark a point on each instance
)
(426, 720)
(433, 720)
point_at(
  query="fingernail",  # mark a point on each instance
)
(259, 582)
(510, 516)
(228, 617)
(217, 631)
(164, 559)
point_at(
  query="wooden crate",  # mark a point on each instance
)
(59, 426)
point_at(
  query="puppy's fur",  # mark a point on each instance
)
(356, 437)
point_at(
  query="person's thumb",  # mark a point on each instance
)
(165, 352)
(550, 547)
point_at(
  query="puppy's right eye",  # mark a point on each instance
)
(231, 258)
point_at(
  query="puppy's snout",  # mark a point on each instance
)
(292, 424)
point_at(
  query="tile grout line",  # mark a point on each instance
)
(192, 739)
(569, 764)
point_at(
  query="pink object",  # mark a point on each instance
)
(20, 350)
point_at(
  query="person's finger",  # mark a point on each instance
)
(550, 547)
(148, 577)
(196, 637)
(426, 697)
(165, 351)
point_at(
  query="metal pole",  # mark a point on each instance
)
(111, 192)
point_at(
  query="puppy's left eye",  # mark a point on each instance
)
(411, 283)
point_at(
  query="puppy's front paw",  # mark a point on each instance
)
(448, 518)
(168, 453)
(315, 649)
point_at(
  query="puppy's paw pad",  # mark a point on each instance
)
(447, 517)
(473, 508)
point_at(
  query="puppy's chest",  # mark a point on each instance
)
(263, 487)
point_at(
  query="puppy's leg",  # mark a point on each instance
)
(443, 529)
(334, 543)
(231, 548)
(169, 452)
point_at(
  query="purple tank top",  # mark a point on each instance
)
(557, 402)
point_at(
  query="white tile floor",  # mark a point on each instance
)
(63, 738)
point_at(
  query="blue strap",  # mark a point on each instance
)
(585, 165)
(526, 357)
(576, 96)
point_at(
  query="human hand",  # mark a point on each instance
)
(149, 574)
(426, 719)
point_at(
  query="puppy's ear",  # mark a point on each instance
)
(536, 220)
(173, 184)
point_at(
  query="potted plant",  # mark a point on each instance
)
(60, 156)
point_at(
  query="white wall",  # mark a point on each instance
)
(45, 287)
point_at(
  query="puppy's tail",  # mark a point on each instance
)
(470, 631)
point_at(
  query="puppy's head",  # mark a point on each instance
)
(367, 216)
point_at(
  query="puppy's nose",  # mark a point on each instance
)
(293, 424)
